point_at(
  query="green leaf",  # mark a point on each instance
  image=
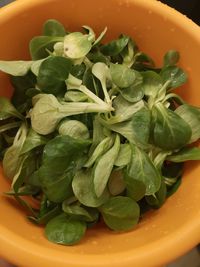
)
(83, 188)
(174, 188)
(157, 200)
(188, 153)
(53, 73)
(64, 230)
(76, 45)
(80, 213)
(191, 115)
(116, 184)
(171, 58)
(7, 110)
(12, 158)
(174, 75)
(104, 166)
(100, 149)
(121, 75)
(9, 126)
(35, 67)
(78, 71)
(120, 213)
(53, 27)
(124, 155)
(115, 47)
(73, 128)
(26, 190)
(40, 44)
(143, 62)
(141, 168)
(135, 92)
(32, 141)
(21, 85)
(170, 131)
(135, 189)
(64, 148)
(152, 83)
(124, 110)
(55, 179)
(59, 165)
(26, 168)
(49, 214)
(15, 68)
(136, 130)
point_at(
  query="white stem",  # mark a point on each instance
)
(83, 107)
(107, 97)
(91, 95)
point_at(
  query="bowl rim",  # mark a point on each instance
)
(9, 241)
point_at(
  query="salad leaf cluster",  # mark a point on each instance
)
(93, 131)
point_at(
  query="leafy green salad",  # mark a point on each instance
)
(93, 131)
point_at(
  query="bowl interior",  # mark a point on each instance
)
(161, 235)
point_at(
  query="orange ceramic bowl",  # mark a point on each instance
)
(162, 235)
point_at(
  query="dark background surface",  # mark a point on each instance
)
(191, 8)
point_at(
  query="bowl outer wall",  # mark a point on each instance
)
(162, 235)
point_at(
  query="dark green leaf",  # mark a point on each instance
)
(188, 153)
(32, 141)
(78, 71)
(171, 58)
(124, 155)
(40, 44)
(7, 110)
(141, 168)
(170, 131)
(83, 187)
(152, 83)
(81, 213)
(21, 85)
(120, 213)
(116, 184)
(135, 189)
(174, 188)
(26, 190)
(104, 166)
(47, 216)
(64, 230)
(137, 129)
(174, 75)
(121, 75)
(53, 27)
(143, 62)
(27, 167)
(59, 165)
(115, 47)
(98, 57)
(157, 200)
(191, 115)
(135, 92)
(53, 73)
